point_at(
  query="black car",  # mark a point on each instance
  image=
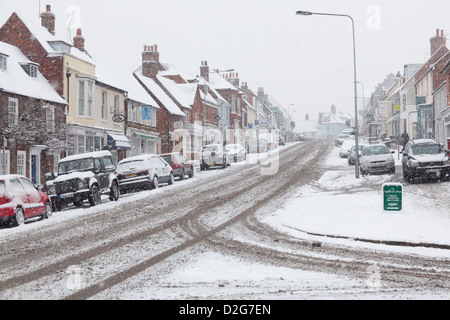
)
(425, 158)
(84, 177)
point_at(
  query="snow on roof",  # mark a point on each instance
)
(151, 85)
(95, 154)
(15, 80)
(183, 93)
(42, 35)
(218, 82)
(123, 79)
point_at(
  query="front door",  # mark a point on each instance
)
(34, 168)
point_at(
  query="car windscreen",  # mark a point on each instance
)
(168, 159)
(209, 148)
(375, 150)
(2, 188)
(426, 149)
(76, 165)
(132, 164)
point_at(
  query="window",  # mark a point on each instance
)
(107, 163)
(28, 185)
(5, 169)
(13, 112)
(186, 117)
(85, 98)
(104, 105)
(239, 106)
(116, 104)
(3, 60)
(233, 103)
(21, 162)
(50, 119)
(33, 71)
(205, 114)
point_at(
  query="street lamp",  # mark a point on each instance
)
(308, 13)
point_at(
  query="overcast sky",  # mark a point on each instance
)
(304, 62)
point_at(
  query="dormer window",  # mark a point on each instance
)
(30, 68)
(60, 46)
(3, 60)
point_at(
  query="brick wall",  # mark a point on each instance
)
(16, 33)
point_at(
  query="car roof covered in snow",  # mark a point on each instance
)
(95, 154)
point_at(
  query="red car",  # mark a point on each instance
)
(180, 165)
(21, 199)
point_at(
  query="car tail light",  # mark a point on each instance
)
(4, 199)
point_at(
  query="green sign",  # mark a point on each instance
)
(392, 196)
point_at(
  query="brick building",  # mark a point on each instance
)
(32, 119)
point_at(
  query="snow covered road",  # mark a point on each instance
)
(225, 234)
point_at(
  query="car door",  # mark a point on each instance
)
(107, 168)
(34, 205)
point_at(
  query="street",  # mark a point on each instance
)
(206, 238)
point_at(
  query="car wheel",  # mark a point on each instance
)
(155, 183)
(172, 179)
(94, 197)
(19, 217)
(182, 173)
(191, 173)
(114, 192)
(78, 203)
(56, 205)
(48, 210)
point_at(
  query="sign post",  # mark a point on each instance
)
(392, 197)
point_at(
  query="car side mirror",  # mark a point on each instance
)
(40, 187)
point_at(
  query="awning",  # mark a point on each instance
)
(118, 142)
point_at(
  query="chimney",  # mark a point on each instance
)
(78, 40)
(234, 79)
(244, 86)
(48, 20)
(333, 109)
(306, 116)
(204, 70)
(437, 41)
(150, 61)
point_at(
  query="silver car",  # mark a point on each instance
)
(143, 171)
(376, 158)
(213, 155)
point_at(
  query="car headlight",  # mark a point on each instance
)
(413, 163)
(51, 190)
(82, 184)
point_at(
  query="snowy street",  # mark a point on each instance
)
(302, 227)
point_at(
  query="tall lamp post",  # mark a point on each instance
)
(308, 13)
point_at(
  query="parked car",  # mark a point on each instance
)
(213, 155)
(82, 177)
(145, 171)
(258, 146)
(376, 158)
(281, 141)
(235, 152)
(21, 199)
(352, 153)
(345, 147)
(180, 165)
(340, 138)
(425, 158)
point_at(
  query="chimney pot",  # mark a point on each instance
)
(48, 7)
(79, 32)
(442, 32)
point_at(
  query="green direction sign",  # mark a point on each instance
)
(392, 196)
